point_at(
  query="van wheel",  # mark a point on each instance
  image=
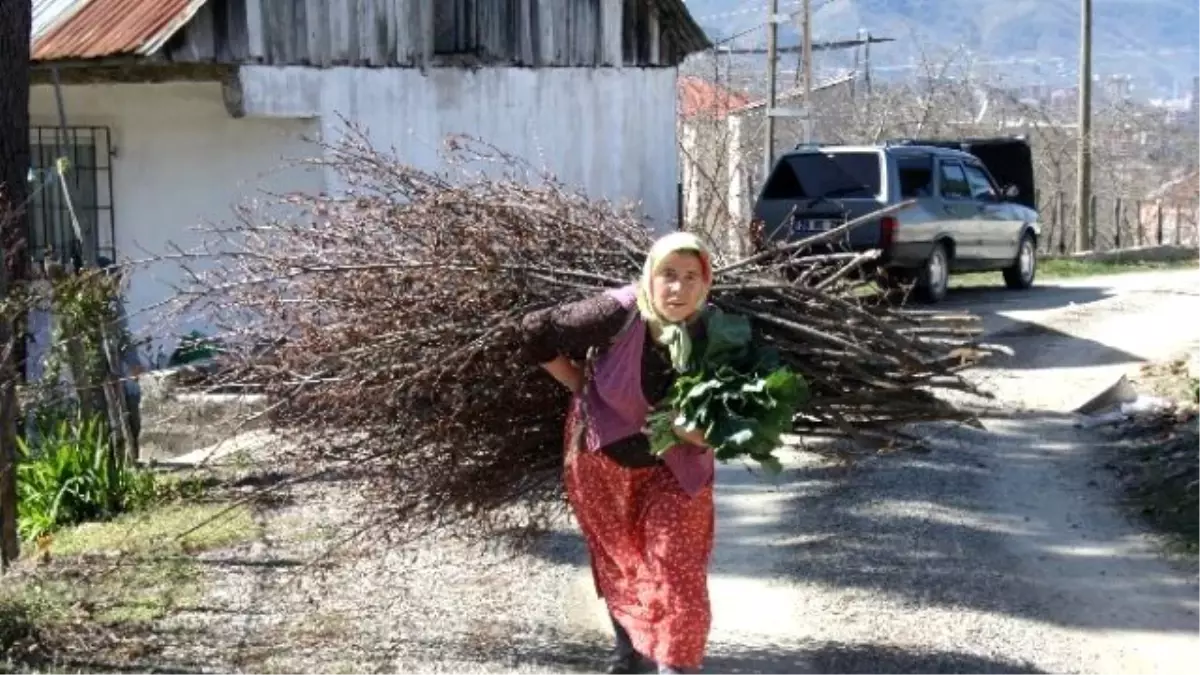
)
(934, 277)
(1021, 273)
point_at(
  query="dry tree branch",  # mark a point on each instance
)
(383, 328)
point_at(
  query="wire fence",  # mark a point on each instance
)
(1118, 222)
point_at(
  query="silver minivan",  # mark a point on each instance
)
(973, 211)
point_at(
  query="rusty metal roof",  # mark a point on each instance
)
(698, 96)
(90, 29)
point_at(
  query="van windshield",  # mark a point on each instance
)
(818, 174)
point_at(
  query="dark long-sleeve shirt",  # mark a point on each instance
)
(571, 329)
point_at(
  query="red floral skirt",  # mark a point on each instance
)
(650, 545)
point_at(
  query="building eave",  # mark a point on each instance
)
(690, 35)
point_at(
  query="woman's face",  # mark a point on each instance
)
(677, 286)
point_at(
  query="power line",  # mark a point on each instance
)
(744, 11)
(826, 45)
(791, 15)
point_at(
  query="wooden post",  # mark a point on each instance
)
(1158, 216)
(1117, 223)
(1060, 216)
(16, 17)
(1092, 203)
(1138, 232)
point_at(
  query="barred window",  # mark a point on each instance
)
(89, 180)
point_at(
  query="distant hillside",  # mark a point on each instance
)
(1156, 41)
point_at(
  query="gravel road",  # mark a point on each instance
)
(999, 550)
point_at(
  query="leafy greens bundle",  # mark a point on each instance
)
(738, 394)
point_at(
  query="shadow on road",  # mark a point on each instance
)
(984, 299)
(1028, 338)
(565, 653)
(1035, 347)
(858, 658)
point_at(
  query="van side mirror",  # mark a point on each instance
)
(1011, 191)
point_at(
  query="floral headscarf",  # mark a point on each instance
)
(674, 336)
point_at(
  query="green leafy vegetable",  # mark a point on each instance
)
(736, 392)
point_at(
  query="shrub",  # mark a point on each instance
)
(68, 475)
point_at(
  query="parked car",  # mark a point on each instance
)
(974, 209)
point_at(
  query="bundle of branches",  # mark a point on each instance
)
(383, 326)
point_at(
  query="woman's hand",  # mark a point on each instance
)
(695, 437)
(566, 372)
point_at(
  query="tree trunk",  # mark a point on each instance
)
(15, 19)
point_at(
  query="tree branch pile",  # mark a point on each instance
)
(383, 327)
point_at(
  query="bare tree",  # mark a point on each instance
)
(1136, 148)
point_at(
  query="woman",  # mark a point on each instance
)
(647, 520)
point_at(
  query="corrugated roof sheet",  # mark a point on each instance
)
(698, 96)
(47, 12)
(89, 29)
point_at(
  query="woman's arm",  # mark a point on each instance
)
(567, 372)
(554, 337)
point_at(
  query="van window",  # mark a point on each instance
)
(916, 176)
(954, 181)
(819, 174)
(981, 187)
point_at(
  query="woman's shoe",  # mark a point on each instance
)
(629, 664)
(625, 659)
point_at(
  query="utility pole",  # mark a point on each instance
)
(808, 76)
(1083, 234)
(772, 63)
(867, 66)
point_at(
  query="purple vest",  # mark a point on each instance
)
(617, 408)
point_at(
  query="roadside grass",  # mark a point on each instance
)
(1155, 457)
(90, 582)
(1066, 268)
(1048, 270)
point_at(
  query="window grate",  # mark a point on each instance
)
(90, 181)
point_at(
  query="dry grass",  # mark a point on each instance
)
(98, 590)
(1155, 455)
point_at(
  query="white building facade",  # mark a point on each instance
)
(170, 125)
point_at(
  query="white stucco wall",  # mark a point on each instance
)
(610, 131)
(180, 160)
